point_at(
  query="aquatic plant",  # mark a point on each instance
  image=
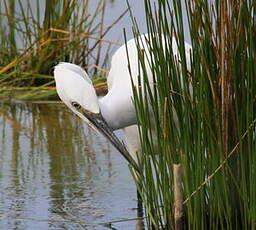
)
(210, 132)
(34, 36)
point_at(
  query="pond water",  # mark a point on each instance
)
(56, 173)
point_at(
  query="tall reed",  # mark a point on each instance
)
(34, 37)
(203, 113)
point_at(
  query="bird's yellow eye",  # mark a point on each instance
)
(76, 105)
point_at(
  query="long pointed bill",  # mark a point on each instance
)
(101, 125)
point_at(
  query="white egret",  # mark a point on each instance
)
(115, 110)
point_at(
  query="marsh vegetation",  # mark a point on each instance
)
(35, 36)
(203, 114)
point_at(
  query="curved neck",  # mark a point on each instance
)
(118, 111)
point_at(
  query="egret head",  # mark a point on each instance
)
(75, 89)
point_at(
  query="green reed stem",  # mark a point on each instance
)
(200, 109)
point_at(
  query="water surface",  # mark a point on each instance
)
(56, 173)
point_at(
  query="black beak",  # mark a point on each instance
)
(101, 125)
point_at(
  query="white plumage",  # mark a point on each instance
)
(75, 89)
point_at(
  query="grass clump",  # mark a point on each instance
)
(203, 113)
(34, 36)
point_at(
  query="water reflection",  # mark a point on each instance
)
(55, 173)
